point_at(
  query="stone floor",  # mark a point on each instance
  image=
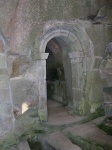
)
(73, 134)
(58, 115)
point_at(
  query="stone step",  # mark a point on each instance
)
(89, 136)
(23, 145)
(60, 142)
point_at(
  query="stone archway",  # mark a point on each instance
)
(77, 50)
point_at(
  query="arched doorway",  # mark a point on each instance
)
(66, 43)
(55, 73)
(75, 49)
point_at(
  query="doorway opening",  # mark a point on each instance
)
(72, 49)
(58, 79)
(55, 73)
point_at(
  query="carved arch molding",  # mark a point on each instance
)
(78, 47)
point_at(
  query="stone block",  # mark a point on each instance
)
(77, 94)
(7, 110)
(72, 37)
(3, 71)
(88, 63)
(13, 148)
(1, 111)
(10, 60)
(106, 73)
(7, 124)
(23, 145)
(18, 65)
(26, 122)
(93, 92)
(63, 142)
(77, 78)
(76, 54)
(2, 49)
(97, 62)
(107, 99)
(57, 91)
(24, 90)
(76, 46)
(3, 61)
(4, 96)
(42, 56)
(4, 81)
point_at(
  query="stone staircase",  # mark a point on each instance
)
(89, 136)
(74, 135)
(65, 133)
(78, 137)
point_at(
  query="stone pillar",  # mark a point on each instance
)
(41, 68)
(77, 80)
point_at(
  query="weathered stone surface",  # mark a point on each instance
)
(98, 121)
(27, 122)
(89, 136)
(107, 99)
(108, 51)
(22, 145)
(13, 148)
(3, 61)
(10, 60)
(20, 65)
(99, 42)
(22, 22)
(7, 12)
(97, 62)
(2, 50)
(25, 17)
(58, 115)
(24, 91)
(4, 81)
(58, 141)
(57, 91)
(4, 96)
(104, 15)
(94, 96)
(106, 73)
(7, 125)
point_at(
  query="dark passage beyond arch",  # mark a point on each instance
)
(55, 76)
